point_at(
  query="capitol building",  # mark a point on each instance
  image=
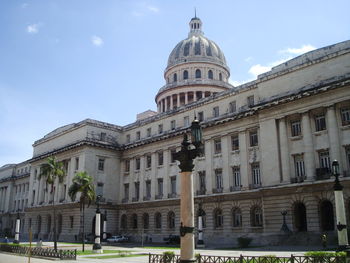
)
(268, 149)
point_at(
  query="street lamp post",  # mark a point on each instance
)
(97, 248)
(104, 235)
(18, 223)
(189, 151)
(340, 209)
(200, 242)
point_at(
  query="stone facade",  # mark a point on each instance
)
(268, 144)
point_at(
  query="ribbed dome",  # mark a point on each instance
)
(196, 48)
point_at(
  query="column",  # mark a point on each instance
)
(178, 100)
(171, 102)
(243, 156)
(333, 135)
(209, 166)
(186, 98)
(308, 147)
(166, 161)
(284, 151)
(226, 172)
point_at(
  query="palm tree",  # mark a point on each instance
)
(83, 184)
(52, 170)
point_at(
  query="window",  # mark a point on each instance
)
(256, 216)
(173, 185)
(236, 176)
(99, 189)
(210, 74)
(295, 128)
(198, 74)
(220, 76)
(127, 166)
(138, 135)
(232, 107)
(76, 163)
(320, 123)
(200, 116)
(299, 165)
(148, 189)
(324, 159)
(202, 186)
(299, 216)
(250, 101)
(218, 218)
(158, 220)
(137, 163)
(234, 142)
(160, 128)
(171, 220)
(128, 138)
(173, 155)
(134, 221)
(253, 136)
(345, 116)
(218, 179)
(175, 77)
(148, 161)
(186, 121)
(101, 164)
(160, 158)
(216, 111)
(123, 222)
(217, 146)
(149, 131)
(103, 136)
(145, 219)
(137, 191)
(126, 191)
(172, 125)
(256, 174)
(160, 187)
(185, 74)
(236, 217)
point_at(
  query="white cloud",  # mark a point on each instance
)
(153, 9)
(258, 69)
(298, 51)
(97, 41)
(33, 28)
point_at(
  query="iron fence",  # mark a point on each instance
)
(41, 252)
(159, 258)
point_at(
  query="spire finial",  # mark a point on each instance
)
(195, 12)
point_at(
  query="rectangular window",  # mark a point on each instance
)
(256, 174)
(234, 142)
(202, 186)
(148, 161)
(160, 128)
(99, 189)
(217, 146)
(138, 136)
(160, 158)
(148, 188)
(218, 179)
(173, 125)
(236, 176)
(126, 191)
(324, 159)
(232, 107)
(103, 136)
(345, 116)
(76, 163)
(186, 121)
(127, 166)
(173, 184)
(253, 136)
(295, 128)
(137, 191)
(173, 155)
(299, 165)
(137, 163)
(101, 164)
(200, 116)
(216, 112)
(250, 101)
(149, 132)
(160, 186)
(128, 138)
(320, 123)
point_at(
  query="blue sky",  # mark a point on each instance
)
(62, 61)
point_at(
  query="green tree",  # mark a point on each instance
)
(83, 184)
(51, 171)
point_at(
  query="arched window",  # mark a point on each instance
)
(134, 221)
(299, 215)
(220, 76)
(48, 224)
(326, 216)
(123, 222)
(145, 219)
(256, 218)
(175, 77)
(171, 220)
(236, 217)
(210, 74)
(158, 220)
(218, 218)
(198, 74)
(185, 74)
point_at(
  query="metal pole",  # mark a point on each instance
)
(18, 223)
(97, 248)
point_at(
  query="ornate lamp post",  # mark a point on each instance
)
(340, 209)
(189, 151)
(18, 223)
(97, 248)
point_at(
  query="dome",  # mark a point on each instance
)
(196, 48)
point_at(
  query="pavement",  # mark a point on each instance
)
(136, 249)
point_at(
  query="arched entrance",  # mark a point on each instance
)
(326, 216)
(299, 215)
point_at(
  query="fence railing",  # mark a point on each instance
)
(160, 258)
(41, 252)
